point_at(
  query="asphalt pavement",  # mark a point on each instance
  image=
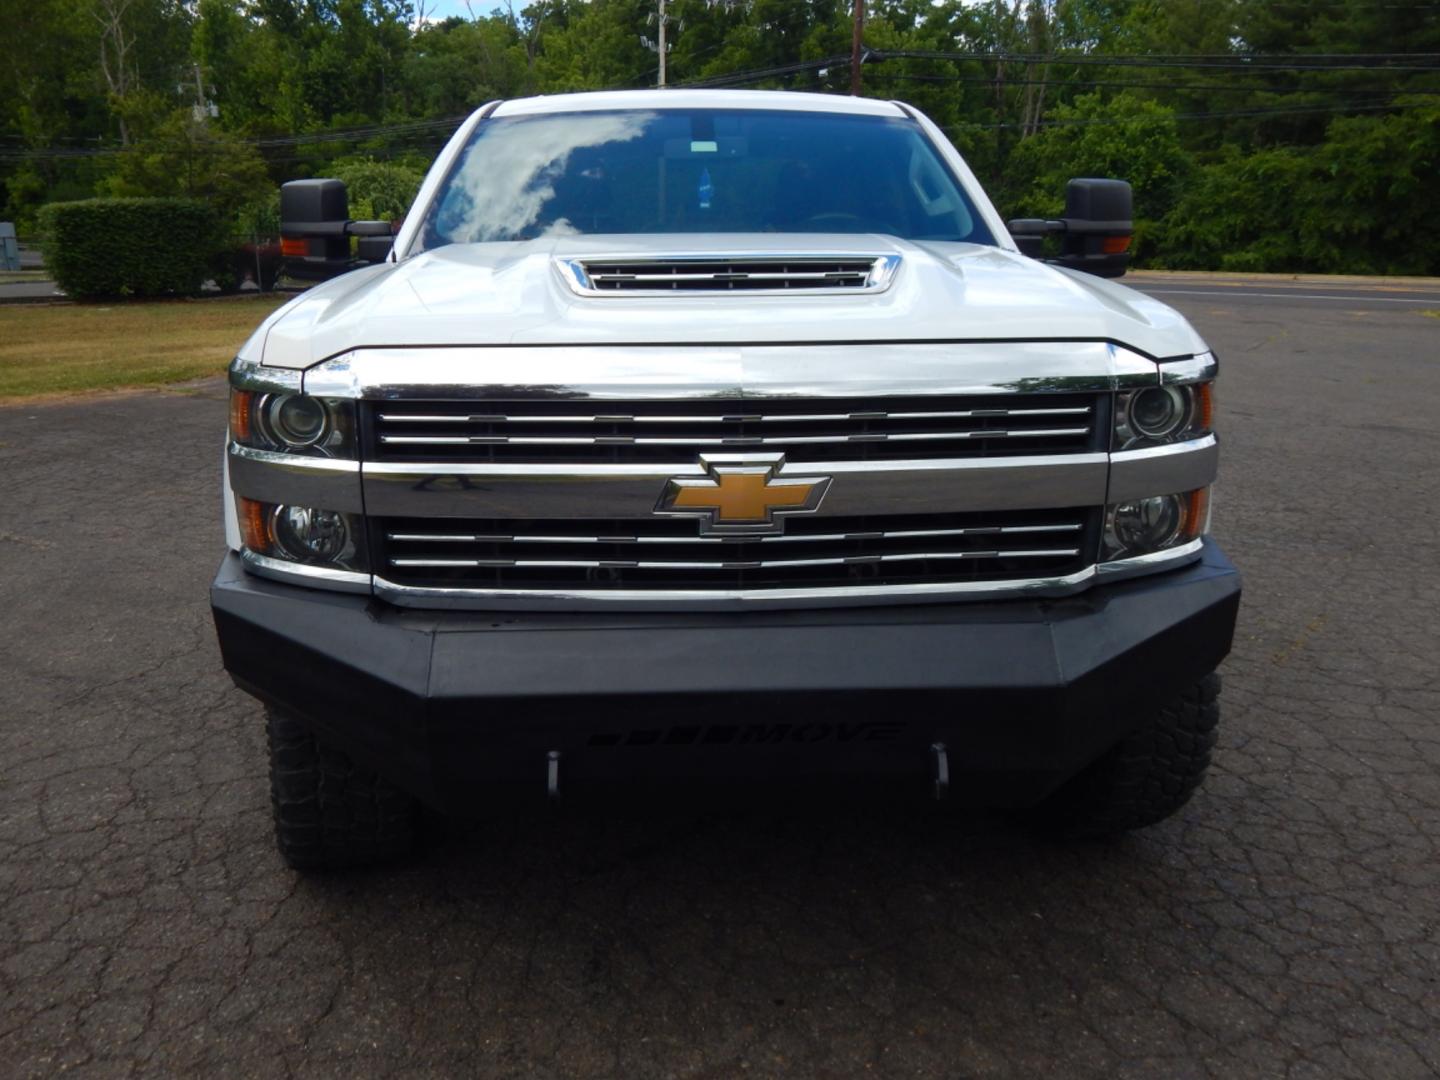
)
(1286, 923)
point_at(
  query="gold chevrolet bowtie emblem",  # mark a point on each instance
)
(743, 493)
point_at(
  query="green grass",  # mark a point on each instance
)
(20, 277)
(72, 348)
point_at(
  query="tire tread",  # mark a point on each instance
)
(1145, 778)
(330, 813)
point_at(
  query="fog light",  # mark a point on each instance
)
(309, 535)
(1147, 524)
(1157, 523)
(295, 419)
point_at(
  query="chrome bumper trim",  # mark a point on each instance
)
(319, 577)
(1138, 565)
(442, 489)
(250, 374)
(757, 371)
(724, 599)
(711, 600)
(296, 480)
(757, 599)
(1164, 470)
(1202, 367)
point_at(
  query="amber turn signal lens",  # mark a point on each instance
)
(1197, 510)
(240, 404)
(1204, 407)
(255, 531)
(1115, 245)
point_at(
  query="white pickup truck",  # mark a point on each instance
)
(703, 442)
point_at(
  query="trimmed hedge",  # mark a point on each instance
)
(130, 247)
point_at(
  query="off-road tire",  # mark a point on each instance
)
(329, 812)
(1146, 777)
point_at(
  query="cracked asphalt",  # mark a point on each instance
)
(1286, 923)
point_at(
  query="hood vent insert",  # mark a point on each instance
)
(808, 274)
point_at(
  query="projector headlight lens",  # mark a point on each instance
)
(296, 420)
(1159, 411)
(1162, 414)
(289, 423)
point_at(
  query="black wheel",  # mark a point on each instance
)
(1147, 776)
(329, 812)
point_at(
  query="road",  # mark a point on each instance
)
(1353, 294)
(1287, 923)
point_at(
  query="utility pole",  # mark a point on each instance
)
(660, 18)
(203, 109)
(855, 48)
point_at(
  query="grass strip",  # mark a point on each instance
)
(72, 348)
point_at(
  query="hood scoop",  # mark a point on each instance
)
(660, 275)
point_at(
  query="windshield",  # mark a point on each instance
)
(699, 171)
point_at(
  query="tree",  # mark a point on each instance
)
(186, 157)
(378, 189)
(1126, 137)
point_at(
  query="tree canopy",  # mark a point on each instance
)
(1259, 134)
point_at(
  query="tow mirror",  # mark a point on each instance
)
(1095, 232)
(315, 231)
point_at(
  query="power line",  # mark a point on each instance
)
(1229, 62)
(1255, 62)
(737, 78)
(1065, 84)
(1106, 120)
(350, 135)
(740, 78)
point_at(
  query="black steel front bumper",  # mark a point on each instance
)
(462, 708)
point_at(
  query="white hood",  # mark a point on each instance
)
(513, 294)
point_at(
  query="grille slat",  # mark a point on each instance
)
(805, 430)
(897, 534)
(489, 418)
(778, 564)
(668, 553)
(738, 440)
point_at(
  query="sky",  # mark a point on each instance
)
(443, 9)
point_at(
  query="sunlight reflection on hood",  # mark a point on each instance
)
(514, 166)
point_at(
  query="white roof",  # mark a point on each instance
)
(698, 99)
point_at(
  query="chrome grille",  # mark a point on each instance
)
(722, 274)
(664, 553)
(804, 430)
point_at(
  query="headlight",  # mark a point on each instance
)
(293, 423)
(294, 420)
(302, 534)
(1157, 413)
(1156, 523)
(1162, 414)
